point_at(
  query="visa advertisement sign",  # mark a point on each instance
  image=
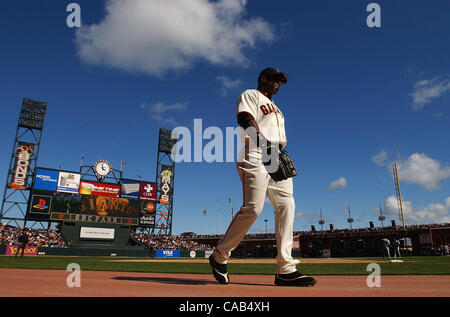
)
(167, 253)
(46, 179)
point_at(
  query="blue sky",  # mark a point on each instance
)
(358, 98)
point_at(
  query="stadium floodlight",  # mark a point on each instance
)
(32, 114)
(23, 161)
(166, 143)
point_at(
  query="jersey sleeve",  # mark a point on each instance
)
(248, 102)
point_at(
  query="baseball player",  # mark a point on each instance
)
(386, 248)
(256, 110)
(23, 241)
(396, 247)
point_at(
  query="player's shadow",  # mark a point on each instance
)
(179, 281)
(164, 280)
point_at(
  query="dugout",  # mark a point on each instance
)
(357, 247)
(338, 248)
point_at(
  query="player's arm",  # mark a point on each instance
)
(246, 121)
(247, 112)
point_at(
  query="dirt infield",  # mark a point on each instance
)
(52, 283)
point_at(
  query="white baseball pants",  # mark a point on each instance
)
(257, 183)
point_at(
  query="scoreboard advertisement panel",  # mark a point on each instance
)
(68, 182)
(147, 191)
(147, 214)
(61, 195)
(100, 189)
(40, 205)
(129, 189)
(46, 179)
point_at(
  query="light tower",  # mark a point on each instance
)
(381, 217)
(321, 221)
(165, 181)
(23, 161)
(398, 194)
(349, 219)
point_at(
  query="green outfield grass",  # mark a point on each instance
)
(431, 265)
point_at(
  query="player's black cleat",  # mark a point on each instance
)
(219, 271)
(294, 279)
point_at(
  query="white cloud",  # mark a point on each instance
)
(422, 170)
(157, 110)
(427, 90)
(432, 213)
(418, 169)
(338, 184)
(381, 159)
(227, 84)
(155, 37)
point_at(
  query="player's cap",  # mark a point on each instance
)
(274, 74)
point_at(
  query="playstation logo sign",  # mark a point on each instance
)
(147, 191)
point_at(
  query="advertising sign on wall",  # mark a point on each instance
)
(129, 189)
(24, 152)
(97, 233)
(100, 189)
(167, 253)
(29, 250)
(68, 182)
(46, 179)
(147, 191)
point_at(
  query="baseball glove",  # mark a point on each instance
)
(278, 163)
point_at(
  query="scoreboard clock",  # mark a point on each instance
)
(102, 168)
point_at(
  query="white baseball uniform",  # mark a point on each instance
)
(257, 183)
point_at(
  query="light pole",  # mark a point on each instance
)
(349, 219)
(321, 221)
(381, 217)
(265, 220)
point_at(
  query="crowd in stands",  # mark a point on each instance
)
(52, 238)
(262, 236)
(169, 242)
(37, 237)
